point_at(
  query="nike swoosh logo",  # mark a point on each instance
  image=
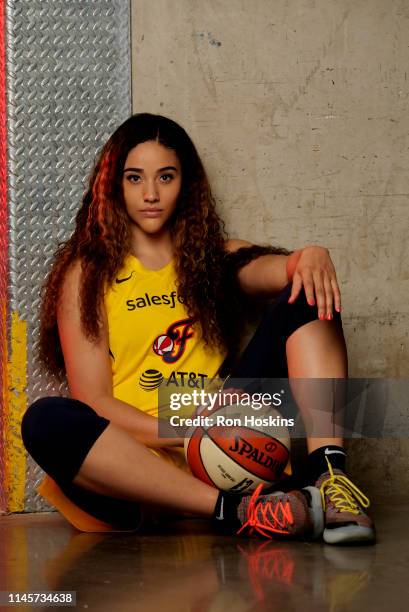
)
(122, 280)
(220, 516)
(331, 452)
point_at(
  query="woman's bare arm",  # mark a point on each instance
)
(310, 269)
(89, 371)
(264, 276)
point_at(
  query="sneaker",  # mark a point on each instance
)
(282, 515)
(344, 504)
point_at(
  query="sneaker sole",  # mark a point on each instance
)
(316, 512)
(351, 534)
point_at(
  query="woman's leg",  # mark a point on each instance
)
(317, 350)
(291, 342)
(119, 466)
(81, 450)
(106, 471)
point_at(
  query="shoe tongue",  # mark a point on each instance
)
(327, 475)
(307, 495)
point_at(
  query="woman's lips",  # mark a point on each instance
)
(151, 213)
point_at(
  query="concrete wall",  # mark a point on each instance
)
(299, 112)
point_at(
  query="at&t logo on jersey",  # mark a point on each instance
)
(151, 379)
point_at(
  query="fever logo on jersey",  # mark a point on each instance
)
(171, 345)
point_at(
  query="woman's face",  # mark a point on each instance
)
(151, 184)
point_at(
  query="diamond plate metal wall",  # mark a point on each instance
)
(3, 256)
(68, 87)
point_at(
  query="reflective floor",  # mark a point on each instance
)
(187, 568)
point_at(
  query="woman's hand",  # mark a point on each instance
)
(315, 271)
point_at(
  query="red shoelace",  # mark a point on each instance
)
(268, 516)
(266, 562)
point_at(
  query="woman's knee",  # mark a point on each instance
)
(37, 417)
(58, 432)
(299, 312)
(50, 418)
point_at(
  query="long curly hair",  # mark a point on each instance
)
(101, 240)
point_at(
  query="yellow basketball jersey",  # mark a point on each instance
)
(152, 341)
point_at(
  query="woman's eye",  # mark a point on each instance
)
(170, 176)
(132, 178)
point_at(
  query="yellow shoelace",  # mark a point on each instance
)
(342, 493)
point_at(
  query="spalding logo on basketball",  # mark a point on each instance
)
(238, 458)
(150, 380)
(163, 344)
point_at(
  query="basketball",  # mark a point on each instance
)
(236, 448)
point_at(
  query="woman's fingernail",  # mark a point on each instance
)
(329, 317)
(321, 316)
(311, 302)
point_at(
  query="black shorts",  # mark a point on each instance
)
(58, 432)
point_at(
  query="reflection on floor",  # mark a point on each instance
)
(187, 568)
